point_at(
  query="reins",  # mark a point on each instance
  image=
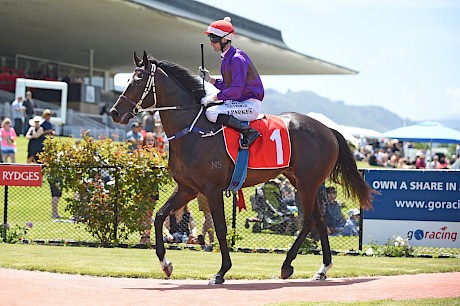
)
(150, 86)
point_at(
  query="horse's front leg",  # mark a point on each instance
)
(181, 196)
(216, 205)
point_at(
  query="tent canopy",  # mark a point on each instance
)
(361, 132)
(331, 124)
(428, 131)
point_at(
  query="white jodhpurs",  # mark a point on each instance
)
(247, 110)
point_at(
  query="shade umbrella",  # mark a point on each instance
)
(428, 131)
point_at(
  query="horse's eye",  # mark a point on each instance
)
(140, 75)
(137, 80)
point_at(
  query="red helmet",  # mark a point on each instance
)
(222, 28)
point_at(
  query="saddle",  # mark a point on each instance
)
(270, 151)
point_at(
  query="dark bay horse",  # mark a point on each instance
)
(201, 164)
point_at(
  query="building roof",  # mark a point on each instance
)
(65, 31)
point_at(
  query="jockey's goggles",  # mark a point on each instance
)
(214, 38)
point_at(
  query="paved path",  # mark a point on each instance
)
(19, 287)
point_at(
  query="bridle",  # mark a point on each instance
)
(150, 86)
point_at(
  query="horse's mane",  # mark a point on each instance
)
(183, 76)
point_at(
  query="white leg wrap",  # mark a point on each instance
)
(164, 263)
(321, 274)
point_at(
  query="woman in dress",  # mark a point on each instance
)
(34, 135)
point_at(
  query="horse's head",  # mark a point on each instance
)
(140, 92)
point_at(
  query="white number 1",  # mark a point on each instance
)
(276, 137)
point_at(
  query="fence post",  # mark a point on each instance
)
(5, 213)
(360, 241)
(115, 209)
(234, 219)
(361, 212)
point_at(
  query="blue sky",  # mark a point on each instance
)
(407, 52)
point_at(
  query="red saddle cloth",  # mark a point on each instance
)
(270, 151)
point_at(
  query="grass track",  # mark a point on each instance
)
(118, 262)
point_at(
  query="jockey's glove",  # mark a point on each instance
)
(204, 74)
(205, 101)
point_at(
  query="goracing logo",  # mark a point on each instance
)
(441, 234)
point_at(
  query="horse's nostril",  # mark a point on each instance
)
(113, 112)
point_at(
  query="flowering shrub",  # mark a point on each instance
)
(395, 247)
(14, 234)
(308, 246)
(112, 190)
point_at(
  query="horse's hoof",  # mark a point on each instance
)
(168, 269)
(287, 272)
(216, 280)
(319, 277)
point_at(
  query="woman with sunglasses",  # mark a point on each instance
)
(241, 88)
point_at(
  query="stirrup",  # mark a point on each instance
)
(247, 145)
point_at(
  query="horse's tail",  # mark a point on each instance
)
(346, 174)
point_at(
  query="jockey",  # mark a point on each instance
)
(240, 86)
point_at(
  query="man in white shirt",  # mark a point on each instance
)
(17, 114)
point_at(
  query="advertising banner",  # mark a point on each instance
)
(422, 206)
(20, 175)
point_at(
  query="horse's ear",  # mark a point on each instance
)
(145, 59)
(137, 60)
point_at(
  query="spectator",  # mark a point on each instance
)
(420, 163)
(442, 162)
(208, 224)
(149, 122)
(161, 138)
(334, 218)
(351, 227)
(179, 226)
(393, 163)
(29, 110)
(105, 113)
(402, 164)
(149, 142)
(48, 128)
(359, 156)
(17, 115)
(8, 141)
(373, 161)
(134, 137)
(35, 142)
(434, 163)
(456, 164)
(56, 193)
(55, 186)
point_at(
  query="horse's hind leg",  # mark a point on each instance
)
(322, 230)
(180, 197)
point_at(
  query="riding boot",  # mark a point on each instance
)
(249, 134)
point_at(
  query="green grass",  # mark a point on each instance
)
(420, 302)
(21, 149)
(118, 262)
